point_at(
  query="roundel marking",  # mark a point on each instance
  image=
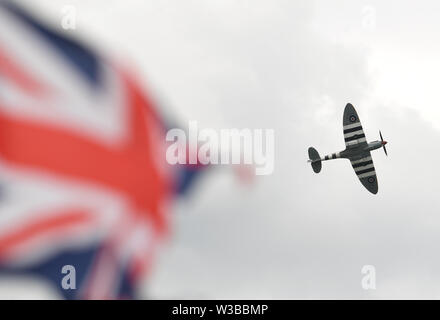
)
(353, 118)
(370, 179)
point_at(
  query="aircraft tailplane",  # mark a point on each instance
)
(315, 160)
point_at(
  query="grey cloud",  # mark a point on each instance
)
(293, 234)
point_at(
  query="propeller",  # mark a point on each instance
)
(383, 143)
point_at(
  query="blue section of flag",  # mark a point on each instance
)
(82, 260)
(78, 55)
(50, 269)
(186, 178)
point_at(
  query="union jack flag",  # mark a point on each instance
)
(82, 175)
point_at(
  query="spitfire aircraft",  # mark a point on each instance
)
(357, 150)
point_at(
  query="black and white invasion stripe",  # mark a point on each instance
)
(354, 134)
(364, 167)
(331, 156)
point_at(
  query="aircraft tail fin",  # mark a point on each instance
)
(315, 160)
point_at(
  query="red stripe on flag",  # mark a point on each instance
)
(13, 72)
(53, 223)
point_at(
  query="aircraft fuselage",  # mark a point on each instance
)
(355, 151)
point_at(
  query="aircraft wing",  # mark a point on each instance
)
(364, 169)
(353, 133)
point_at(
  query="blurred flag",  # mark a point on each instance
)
(82, 175)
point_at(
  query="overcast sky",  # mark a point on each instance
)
(292, 66)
